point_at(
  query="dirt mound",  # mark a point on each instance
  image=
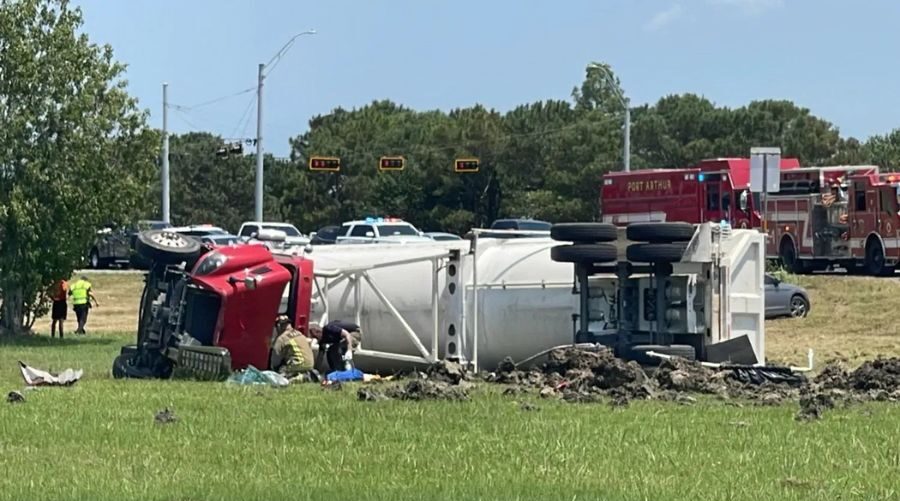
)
(423, 389)
(447, 372)
(878, 374)
(682, 375)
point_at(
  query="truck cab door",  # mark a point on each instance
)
(717, 203)
(863, 210)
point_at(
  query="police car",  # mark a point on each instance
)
(380, 230)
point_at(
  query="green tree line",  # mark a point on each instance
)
(542, 160)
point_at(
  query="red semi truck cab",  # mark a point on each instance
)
(713, 190)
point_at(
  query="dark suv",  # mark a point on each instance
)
(517, 224)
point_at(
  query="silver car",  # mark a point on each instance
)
(785, 300)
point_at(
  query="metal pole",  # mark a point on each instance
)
(165, 154)
(762, 195)
(435, 308)
(627, 136)
(475, 303)
(258, 206)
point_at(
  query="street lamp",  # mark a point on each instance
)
(607, 76)
(258, 206)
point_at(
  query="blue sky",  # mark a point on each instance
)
(837, 58)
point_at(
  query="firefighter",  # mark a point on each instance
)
(341, 338)
(82, 296)
(292, 355)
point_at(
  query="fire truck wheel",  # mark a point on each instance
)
(167, 247)
(788, 254)
(584, 232)
(584, 253)
(660, 233)
(639, 353)
(655, 253)
(875, 262)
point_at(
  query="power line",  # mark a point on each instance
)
(211, 101)
(245, 119)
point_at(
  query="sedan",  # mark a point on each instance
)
(442, 237)
(785, 300)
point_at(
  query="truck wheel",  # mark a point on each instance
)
(789, 259)
(639, 353)
(94, 260)
(167, 247)
(660, 233)
(124, 368)
(655, 253)
(875, 262)
(584, 253)
(584, 232)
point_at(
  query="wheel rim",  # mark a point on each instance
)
(169, 239)
(798, 307)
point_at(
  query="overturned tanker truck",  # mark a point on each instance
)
(211, 310)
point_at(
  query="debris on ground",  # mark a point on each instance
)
(165, 416)
(252, 376)
(813, 405)
(369, 395)
(423, 389)
(38, 377)
(446, 371)
(15, 397)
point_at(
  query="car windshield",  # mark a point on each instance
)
(224, 240)
(286, 228)
(534, 226)
(390, 230)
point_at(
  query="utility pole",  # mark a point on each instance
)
(165, 154)
(258, 206)
(627, 153)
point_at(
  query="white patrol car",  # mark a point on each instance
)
(380, 230)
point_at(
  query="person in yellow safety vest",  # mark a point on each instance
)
(82, 296)
(292, 354)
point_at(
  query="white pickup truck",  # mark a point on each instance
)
(293, 236)
(380, 230)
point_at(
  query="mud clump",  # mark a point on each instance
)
(879, 374)
(423, 389)
(813, 405)
(447, 372)
(586, 376)
(685, 376)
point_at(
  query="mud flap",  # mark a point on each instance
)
(737, 351)
(201, 362)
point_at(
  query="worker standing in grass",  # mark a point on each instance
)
(58, 312)
(292, 355)
(341, 338)
(82, 295)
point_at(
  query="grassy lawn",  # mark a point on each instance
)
(98, 440)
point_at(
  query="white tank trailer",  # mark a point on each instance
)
(482, 300)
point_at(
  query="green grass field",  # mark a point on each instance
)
(98, 440)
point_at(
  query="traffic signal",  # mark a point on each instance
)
(466, 165)
(391, 163)
(332, 164)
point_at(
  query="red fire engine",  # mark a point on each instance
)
(825, 216)
(713, 190)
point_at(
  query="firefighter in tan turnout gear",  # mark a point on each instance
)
(292, 355)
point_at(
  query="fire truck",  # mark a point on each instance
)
(712, 191)
(827, 216)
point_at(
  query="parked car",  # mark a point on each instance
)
(380, 230)
(294, 237)
(441, 236)
(199, 230)
(520, 224)
(784, 299)
(326, 235)
(218, 240)
(115, 244)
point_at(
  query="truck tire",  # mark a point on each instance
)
(655, 253)
(123, 368)
(660, 233)
(875, 261)
(167, 247)
(584, 253)
(584, 232)
(638, 353)
(789, 259)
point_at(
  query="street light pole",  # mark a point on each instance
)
(165, 155)
(258, 191)
(261, 76)
(626, 154)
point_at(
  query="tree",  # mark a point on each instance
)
(75, 151)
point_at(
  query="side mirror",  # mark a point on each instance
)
(742, 202)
